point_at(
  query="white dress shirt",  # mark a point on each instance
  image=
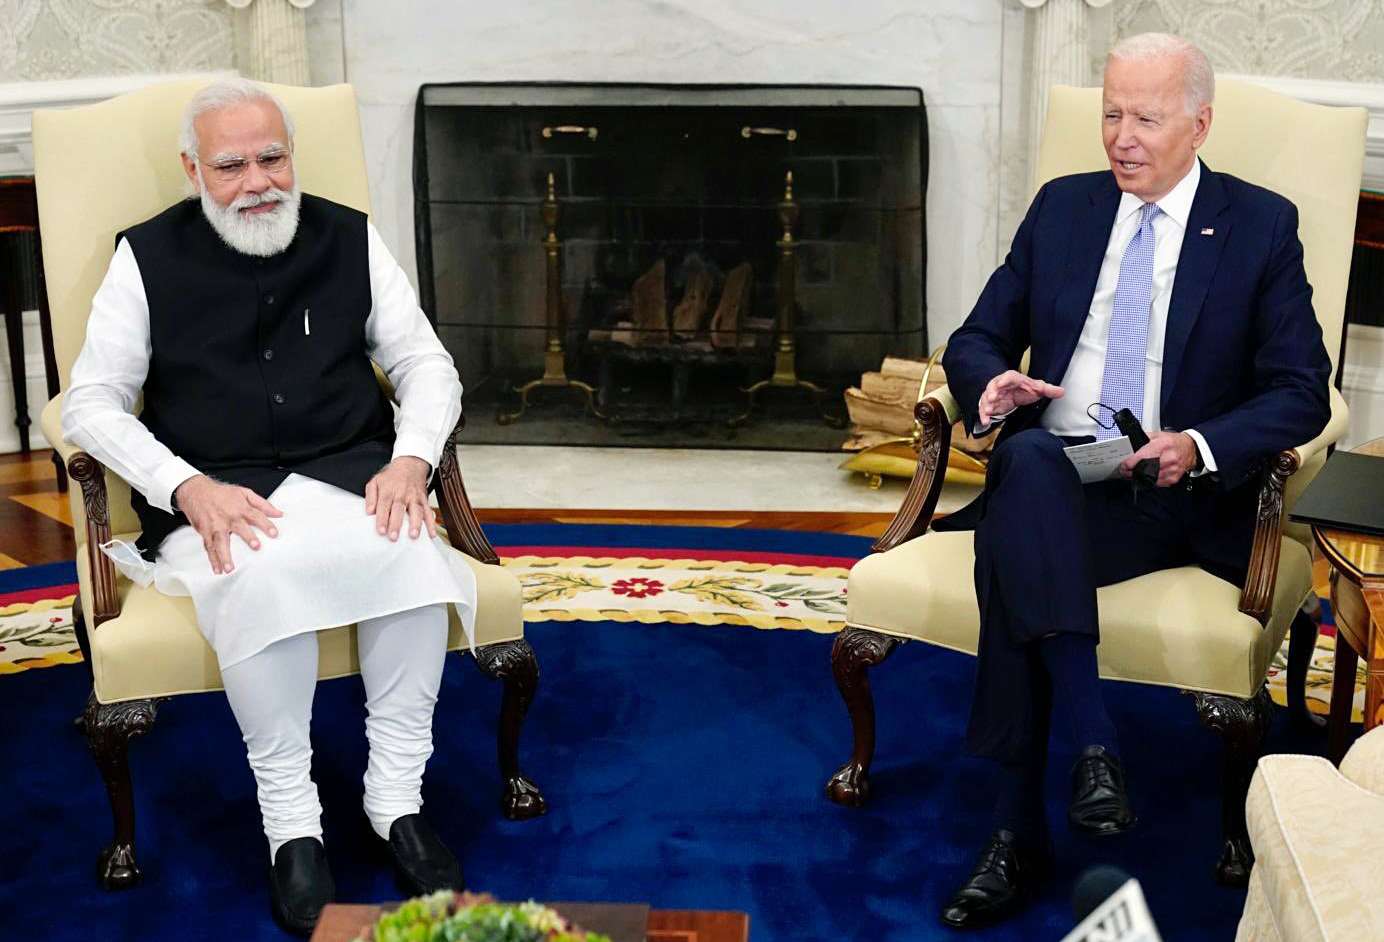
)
(1081, 383)
(99, 408)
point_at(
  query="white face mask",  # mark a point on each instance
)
(262, 234)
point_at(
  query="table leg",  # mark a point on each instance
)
(14, 337)
(1342, 699)
(1374, 675)
(50, 359)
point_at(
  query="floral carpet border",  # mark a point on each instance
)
(37, 633)
(686, 590)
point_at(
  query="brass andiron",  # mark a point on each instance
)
(554, 359)
(786, 354)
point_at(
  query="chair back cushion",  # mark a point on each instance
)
(1312, 154)
(104, 167)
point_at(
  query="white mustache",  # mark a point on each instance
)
(251, 200)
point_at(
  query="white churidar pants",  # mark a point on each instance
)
(401, 658)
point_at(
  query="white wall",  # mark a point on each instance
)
(949, 48)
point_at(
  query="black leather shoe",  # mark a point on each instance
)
(1100, 802)
(1004, 877)
(422, 862)
(300, 884)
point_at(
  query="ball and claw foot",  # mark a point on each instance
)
(116, 867)
(1237, 859)
(522, 800)
(850, 786)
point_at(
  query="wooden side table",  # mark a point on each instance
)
(1357, 600)
(19, 213)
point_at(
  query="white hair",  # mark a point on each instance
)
(222, 94)
(1198, 78)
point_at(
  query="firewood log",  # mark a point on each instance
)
(733, 306)
(649, 306)
(691, 310)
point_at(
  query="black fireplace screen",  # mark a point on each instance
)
(669, 265)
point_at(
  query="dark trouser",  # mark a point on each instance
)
(1045, 542)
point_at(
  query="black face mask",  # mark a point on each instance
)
(1145, 476)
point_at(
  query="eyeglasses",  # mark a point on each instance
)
(231, 169)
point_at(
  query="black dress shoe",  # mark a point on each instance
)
(1004, 877)
(422, 862)
(300, 884)
(1100, 802)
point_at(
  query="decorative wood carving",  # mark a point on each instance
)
(915, 516)
(857, 650)
(514, 663)
(1256, 600)
(109, 728)
(91, 475)
(1242, 725)
(462, 526)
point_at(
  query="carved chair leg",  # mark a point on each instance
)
(79, 628)
(855, 651)
(1243, 725)
(109, 728)
(514, 663)
(1302, 643)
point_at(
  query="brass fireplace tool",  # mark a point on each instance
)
(554, 358)
(786, 354)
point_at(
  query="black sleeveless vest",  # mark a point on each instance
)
(258, 365)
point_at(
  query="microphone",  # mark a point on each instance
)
(1109, 906)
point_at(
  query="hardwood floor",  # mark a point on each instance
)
(36, 523)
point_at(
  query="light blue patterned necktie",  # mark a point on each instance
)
(1126, 345)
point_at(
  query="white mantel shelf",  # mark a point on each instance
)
(19, 101)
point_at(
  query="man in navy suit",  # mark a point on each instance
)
(1159, 286)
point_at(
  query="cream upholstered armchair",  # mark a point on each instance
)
(1181, 628)
(1316, 832)
(100, 169)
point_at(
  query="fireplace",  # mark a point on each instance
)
(669, 265)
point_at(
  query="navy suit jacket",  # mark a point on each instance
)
(1243, 360)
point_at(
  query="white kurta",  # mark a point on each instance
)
(328, 566)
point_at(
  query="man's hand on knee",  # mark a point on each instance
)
(1010, 390)
(400, 492)
(1176, 453)
(217, 510)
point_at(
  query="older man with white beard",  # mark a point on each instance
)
(272, 480)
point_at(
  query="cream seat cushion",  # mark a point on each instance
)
(153, 648)
(1177, 627)
(1316, 836)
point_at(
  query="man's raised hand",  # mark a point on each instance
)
(1010, 390)
(217, 510)
(399, 491)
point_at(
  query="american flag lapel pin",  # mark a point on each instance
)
(1208, 232)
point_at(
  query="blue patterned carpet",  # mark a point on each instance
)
(683, 766)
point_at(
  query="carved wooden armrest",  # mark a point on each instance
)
(1256, 599)
(915, 515)
(462, 526)
(91, 475)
